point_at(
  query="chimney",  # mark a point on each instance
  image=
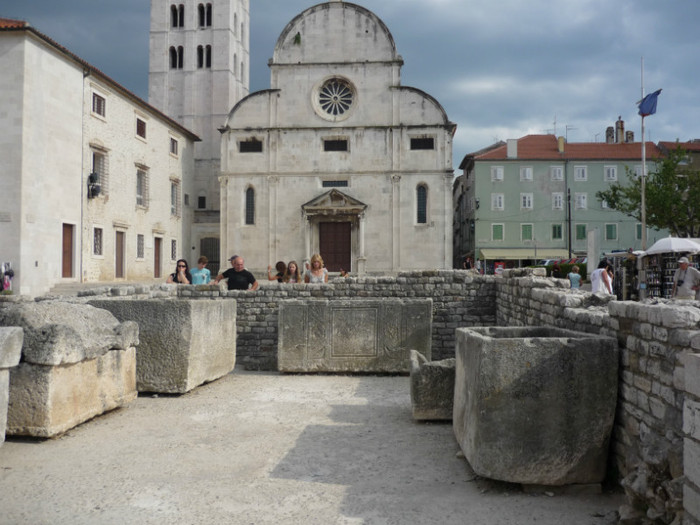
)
(609, 135)
(619, 130)
(512, 149)
(560, 144)
(629, 136)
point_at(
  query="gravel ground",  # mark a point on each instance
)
(265, 448)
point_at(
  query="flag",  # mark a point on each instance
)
(647, 106)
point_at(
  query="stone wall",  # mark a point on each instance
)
(691, 447)
(459, 299)
(656, 339)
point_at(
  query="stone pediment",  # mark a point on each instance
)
(333, 202)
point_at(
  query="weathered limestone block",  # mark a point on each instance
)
(183, 343)
(432, 387)
(535, 405)
(372, 335)
(77, 363)
(46, 401)
(10, 352)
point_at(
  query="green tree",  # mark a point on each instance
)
(672, 196)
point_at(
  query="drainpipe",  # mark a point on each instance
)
(83, 183)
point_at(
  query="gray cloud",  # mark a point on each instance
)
(501, 69)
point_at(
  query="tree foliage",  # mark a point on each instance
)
(672, 195)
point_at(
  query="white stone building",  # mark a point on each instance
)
(67, 130)
(198, 69)
(337, 157)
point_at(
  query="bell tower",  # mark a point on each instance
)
(198, 70)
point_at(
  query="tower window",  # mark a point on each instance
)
(176, 57)
(204, 13)
(208, 56)
(177, 15)
(200, 57)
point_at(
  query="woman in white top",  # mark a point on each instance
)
(316, 273)
(600, 280)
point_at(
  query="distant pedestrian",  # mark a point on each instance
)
(181, 275)
(686, 280)
(279, 276)
(574, 278)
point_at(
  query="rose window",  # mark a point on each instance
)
(335, 97)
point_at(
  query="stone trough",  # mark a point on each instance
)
(432, 388)
(10, 351)
(535, 405)
(183, 343)
(357, 335)
(77, 363)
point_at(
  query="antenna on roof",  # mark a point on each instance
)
(566, 132)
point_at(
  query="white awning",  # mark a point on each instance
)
(499, 254)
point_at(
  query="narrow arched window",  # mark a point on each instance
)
(208, 15)
(235, 23)
(181, 15)
(208, 56)
(180, 56)
(421, 204)
(250, 206)
(200, 12)
(173, 58)
(235, 65)
(173, 16)
(200, 56)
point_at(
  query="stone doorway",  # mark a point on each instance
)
(334, 245)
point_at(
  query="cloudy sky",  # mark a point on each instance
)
(501, 69)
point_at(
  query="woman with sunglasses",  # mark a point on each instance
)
(182, 274)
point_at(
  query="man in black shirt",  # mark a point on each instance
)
(238, 278)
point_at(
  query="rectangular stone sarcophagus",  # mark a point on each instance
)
(183, 343)
(10, 351)
(535, 405)
(353, 335)
(77, 363)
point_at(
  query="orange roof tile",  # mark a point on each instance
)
(8, 23)
(691, 145)
(544, 147)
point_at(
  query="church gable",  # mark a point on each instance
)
(333, 202)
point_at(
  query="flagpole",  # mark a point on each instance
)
(644, 175)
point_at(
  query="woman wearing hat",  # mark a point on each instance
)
(686, 280)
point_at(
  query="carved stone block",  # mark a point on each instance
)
(371, 335)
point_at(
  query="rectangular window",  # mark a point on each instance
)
(496, 232)
(422, 143)
(173, 249)
(186, 199)
(496, 173)
(557, 232)
(173, 146)
(335, 145)
(97, 241)
(639, 231)
(526, 173)
(140, 249)
(174, 198)
(526, 232)
(334, 184)
(581, 201)
(142, 188)
(526, 201)
(611, 232)
(99, 105)
(201, 202)
(638, 170)
(557, 201)
(99, 168)
(141, 128)
(250, 146)
(496, 201)
(580, 232)
(556, 173)
(610, 173)
(604, 204)
(580, 173)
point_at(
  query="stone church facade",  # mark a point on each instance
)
(337, 157)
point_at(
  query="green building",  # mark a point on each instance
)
(534, 198)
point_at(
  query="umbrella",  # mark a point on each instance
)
(673, 244)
